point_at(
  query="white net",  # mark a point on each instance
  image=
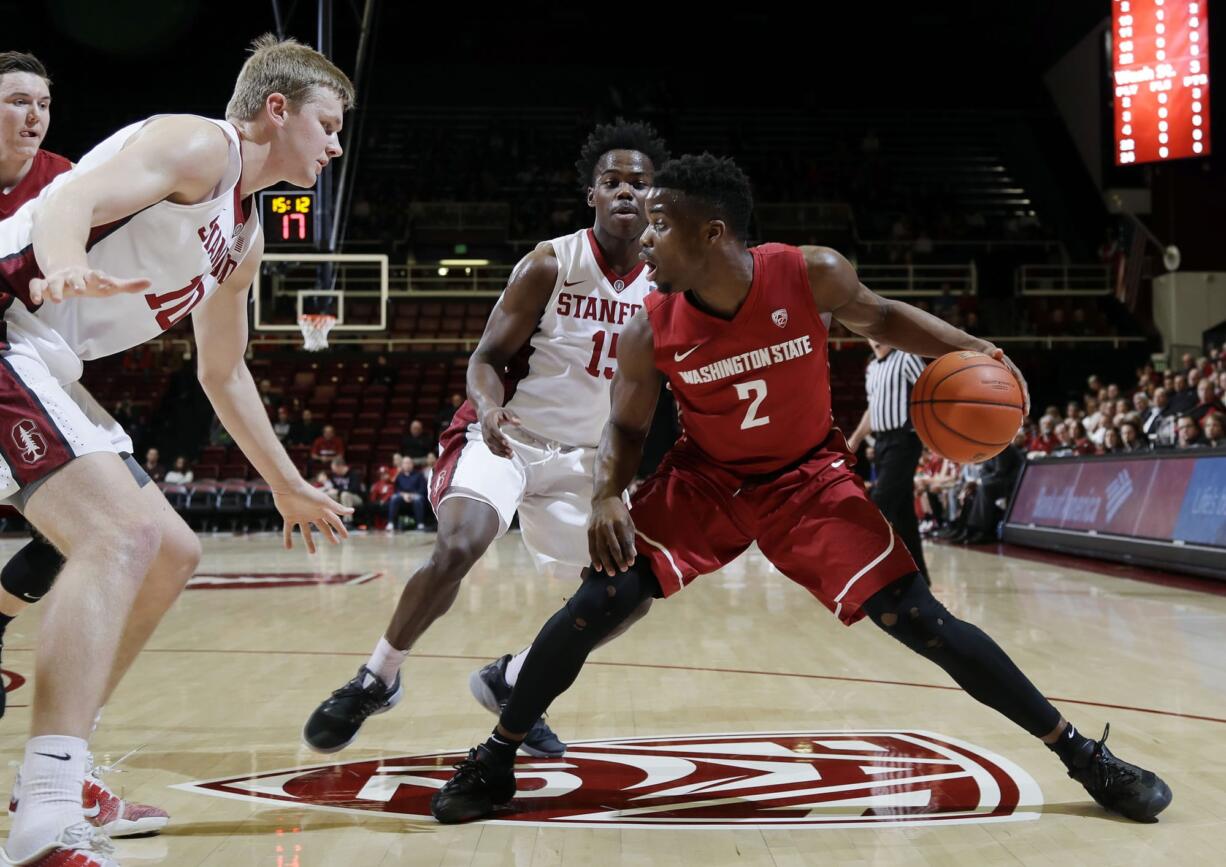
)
(315, 328)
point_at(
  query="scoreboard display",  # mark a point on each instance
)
(288, 217)
(1160, 72)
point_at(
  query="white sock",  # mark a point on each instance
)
(51, 779)
(385, 662)
(513, 667)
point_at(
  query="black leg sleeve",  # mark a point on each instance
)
(30, 572)
(907, 610)
(600, 606)
(894, 492)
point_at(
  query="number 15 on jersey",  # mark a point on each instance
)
(597, 362)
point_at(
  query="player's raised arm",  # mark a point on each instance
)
(220, 324)
(509, 327)
(837, 290)
(636, 388)
(180, 158)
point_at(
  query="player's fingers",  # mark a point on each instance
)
(77, 284)
(36, 288)
(55, 290)
(604, 556)
(325, 529)
(593, 549)
(308, 538)
(338, 525)
(288, 532)
(512, 418)
(133, 284)
(628, 543)
(613, 545)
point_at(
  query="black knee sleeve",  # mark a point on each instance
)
(30, 572)
(603, 602)
(600, 605)
(908, 611)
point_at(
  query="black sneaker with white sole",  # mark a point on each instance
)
(1122, 788)
(337, 721)
(489, 687)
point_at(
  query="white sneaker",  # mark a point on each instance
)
(105, 810)
(79, 845)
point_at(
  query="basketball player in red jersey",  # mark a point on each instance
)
(25, 169)
(740, 334)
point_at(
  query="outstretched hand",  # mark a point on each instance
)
(304, 506)
(82, 282)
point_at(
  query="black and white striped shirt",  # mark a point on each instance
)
(888, 382)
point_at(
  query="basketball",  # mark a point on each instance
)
(966, 406)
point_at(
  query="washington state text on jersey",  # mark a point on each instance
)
(755, 359)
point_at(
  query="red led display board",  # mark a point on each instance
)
(1160, 73)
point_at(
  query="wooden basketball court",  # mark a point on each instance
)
(738, 696)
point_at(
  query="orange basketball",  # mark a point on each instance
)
(966, 406)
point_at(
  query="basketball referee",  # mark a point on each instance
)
(889, 380)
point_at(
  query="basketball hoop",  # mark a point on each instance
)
(315, 328)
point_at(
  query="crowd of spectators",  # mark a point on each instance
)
(1177, 409)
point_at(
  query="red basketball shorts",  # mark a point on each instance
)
(812, 520)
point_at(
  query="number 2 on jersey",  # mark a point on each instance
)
(598, 341)
(755, 391)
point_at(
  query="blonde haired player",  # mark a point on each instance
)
(154, 224)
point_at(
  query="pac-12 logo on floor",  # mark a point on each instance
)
(732, 781)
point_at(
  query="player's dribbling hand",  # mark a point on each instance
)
(78, 281)
(303, 506)
(491, 422)
(610, 536)
(999, 355)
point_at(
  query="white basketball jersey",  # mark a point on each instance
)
(572, 356)
(184, 250)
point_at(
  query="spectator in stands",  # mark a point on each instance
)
(410, 492)
(381, 491)
(1143, 408)
(447, 413)
(1111, 442)
(867, 469)
(382, 372)
(1206, 400)
(1183, 398)
(180, 474)
(996, 481)
(1188, 361)
(1072, 411)
(267, 394)
(218, 435)
(327, 446)
(1045, 440)
(1214, 430)
(1159, 429)
(397, 460)
(1188, 433)
(123, 414)
(1094, 416)
(1081, 441)
(305, 431)
(414, 444)
(1221, 379)
(153, 465)
(282, 426)
(1131, 439)
(348, 485)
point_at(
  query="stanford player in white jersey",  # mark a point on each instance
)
(159, 217)
(25, 170)
(538, 398)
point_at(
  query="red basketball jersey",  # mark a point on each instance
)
(754, 391)
(44, 170)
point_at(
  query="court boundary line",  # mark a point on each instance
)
(692, 668)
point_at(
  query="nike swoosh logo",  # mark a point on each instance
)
(682, 356)
(568, 284)
(837, 463)
(63, 758)
(91, 812)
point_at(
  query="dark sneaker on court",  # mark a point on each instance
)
(489, 687)
(479, 786)
(1122, 788)
(336, 722)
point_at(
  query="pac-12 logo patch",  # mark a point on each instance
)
(29, 441)
(780, 317)
(778, 780)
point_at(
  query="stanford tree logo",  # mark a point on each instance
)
(735, 781)
(29, 441)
